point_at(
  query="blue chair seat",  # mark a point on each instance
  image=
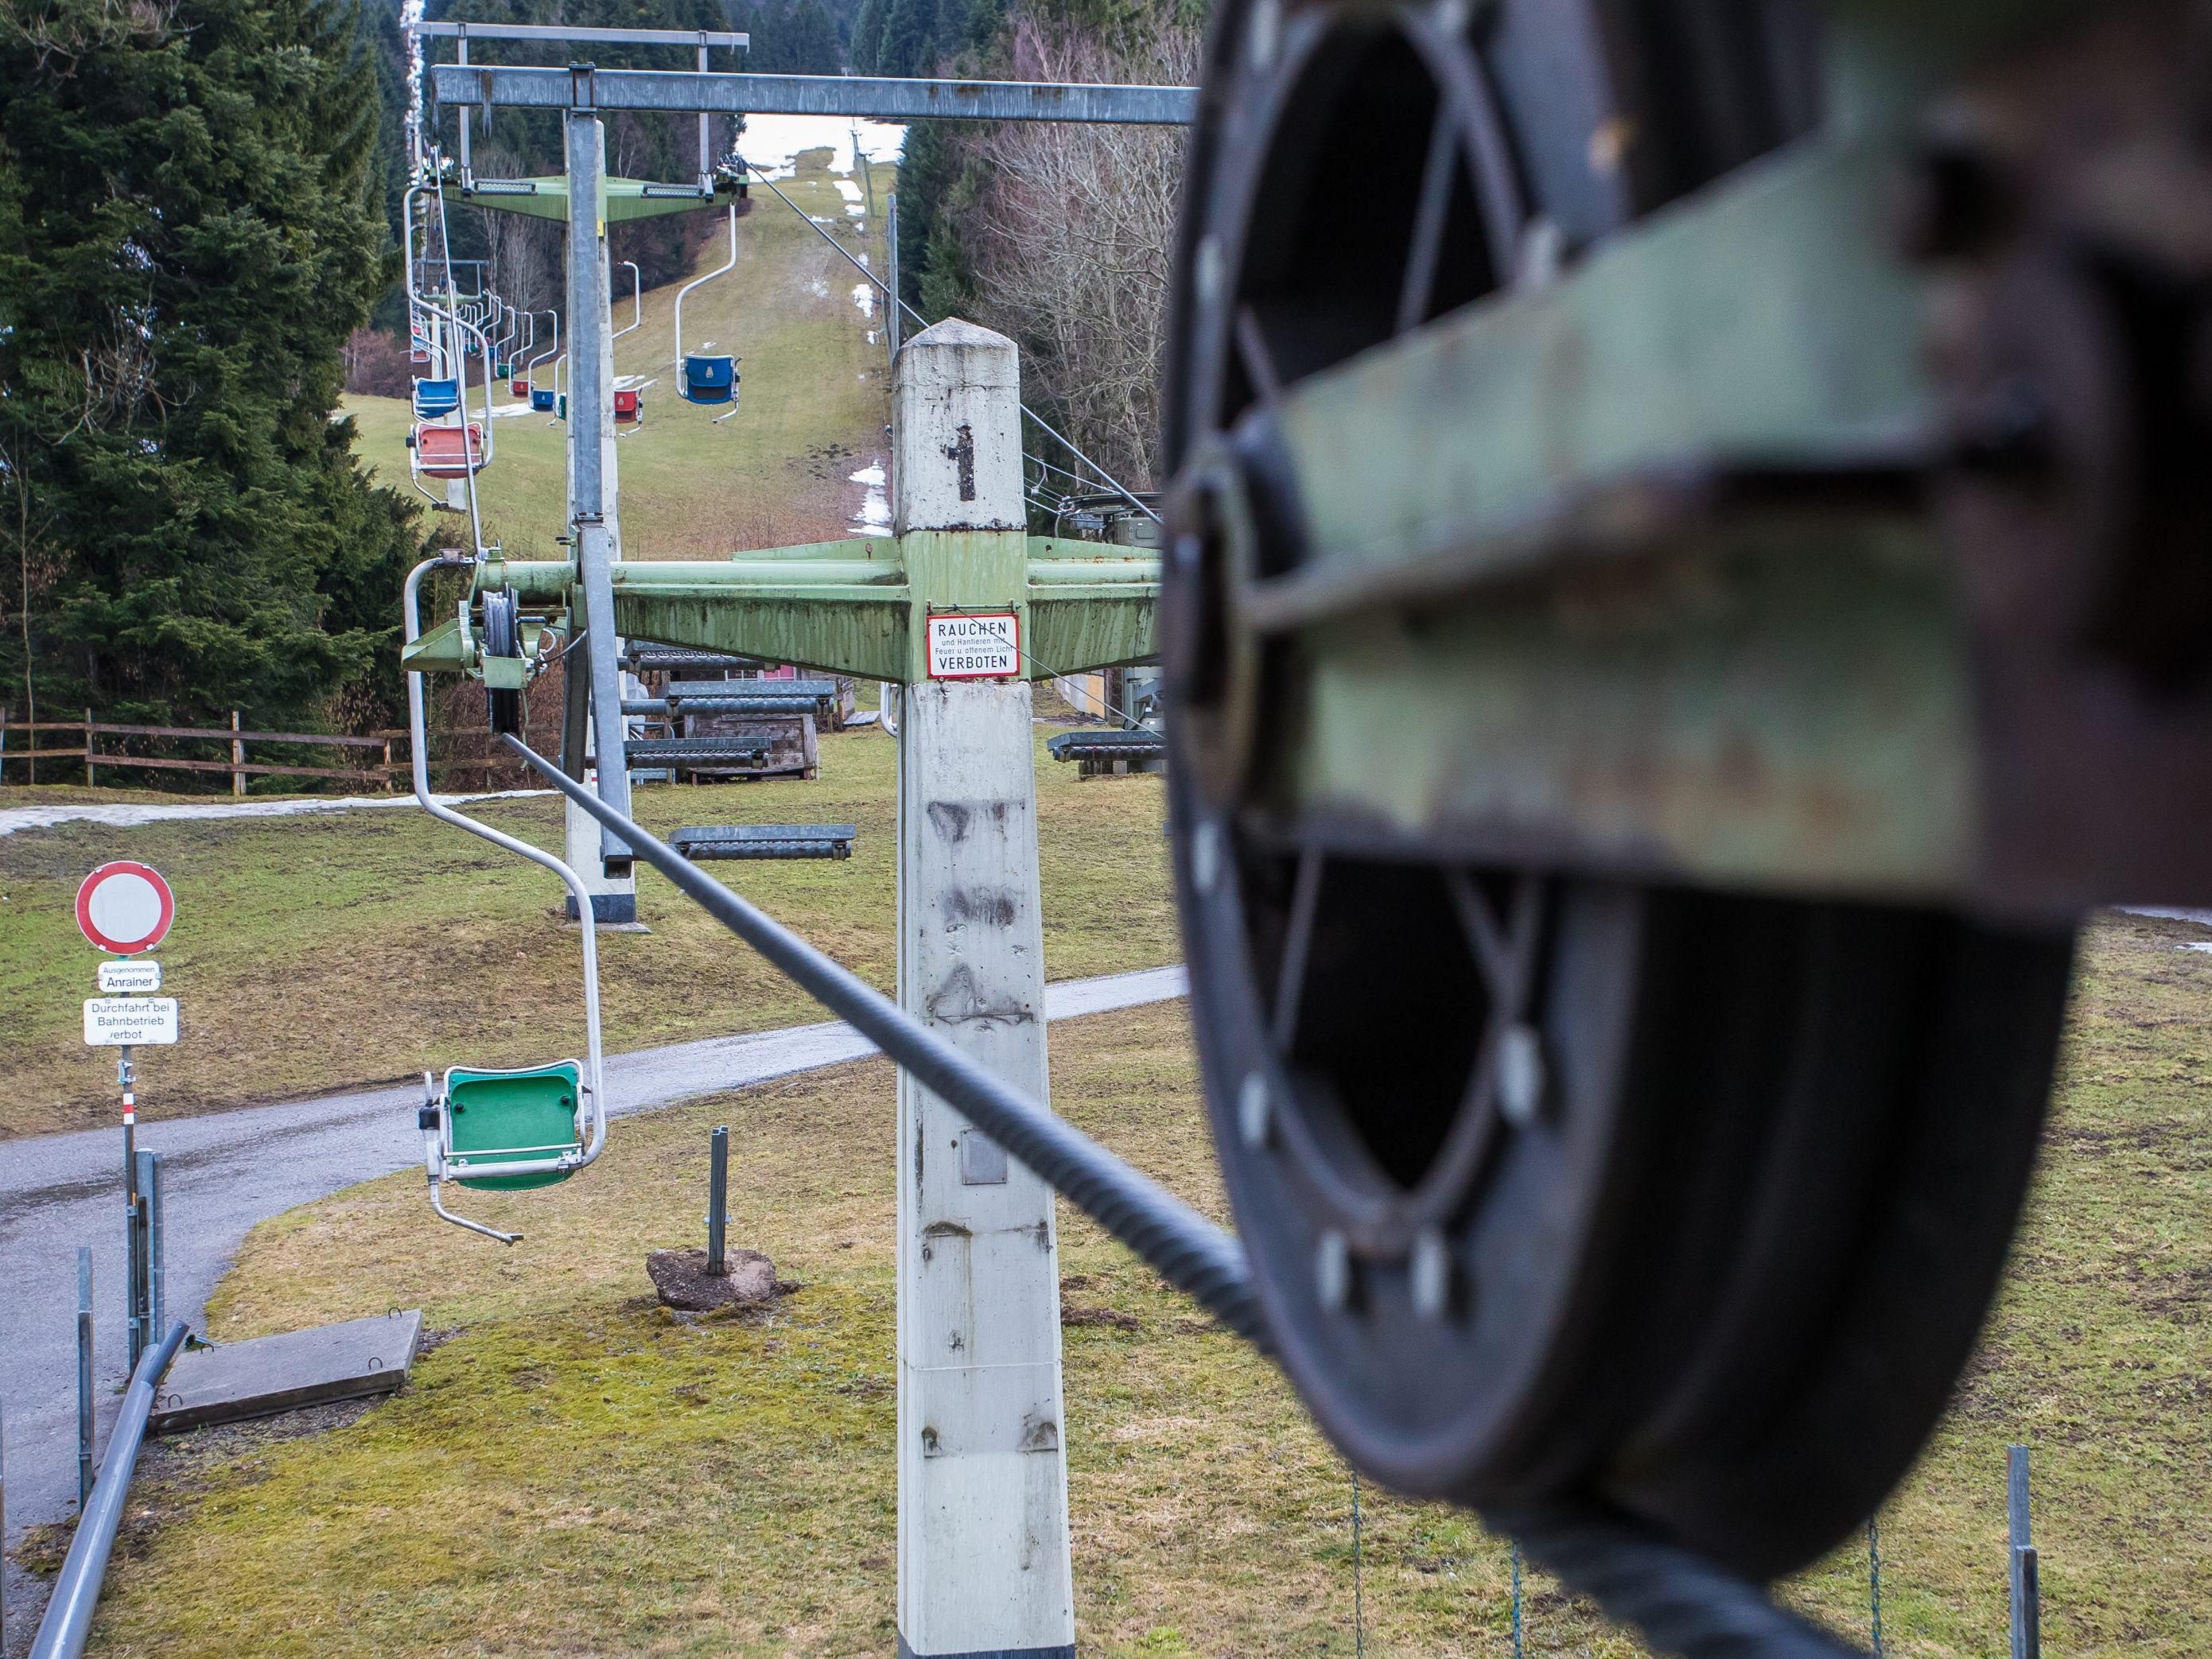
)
(434, 398)
(707, 380)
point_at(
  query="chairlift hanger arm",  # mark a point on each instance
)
(682, 92)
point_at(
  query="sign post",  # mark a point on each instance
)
(126, 907)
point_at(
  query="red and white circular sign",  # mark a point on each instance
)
(124, 907)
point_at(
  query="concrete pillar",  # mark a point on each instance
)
(983, 1565)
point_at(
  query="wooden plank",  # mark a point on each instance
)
(44, 754)
(42, 725)
(103, 757)
(225, 733)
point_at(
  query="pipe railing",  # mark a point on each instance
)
(68, 1622)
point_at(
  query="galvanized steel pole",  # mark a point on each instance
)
(590, 398)
(718, 1200)
(149, 1233)
(2025, 1585)
(84, 1420)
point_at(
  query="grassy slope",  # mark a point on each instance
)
(315, 952)
(814, 401)
(576, 1473)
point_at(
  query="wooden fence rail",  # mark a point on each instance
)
(382, 773)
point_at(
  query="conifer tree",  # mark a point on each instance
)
(190, 224)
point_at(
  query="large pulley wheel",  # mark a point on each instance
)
(503, 637)
(1687, 1203)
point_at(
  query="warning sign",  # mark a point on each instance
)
(129, 1022)
(974, 646)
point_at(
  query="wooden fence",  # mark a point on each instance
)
(30, 759)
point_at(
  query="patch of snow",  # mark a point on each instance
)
(874, 518)
(863, 295)
(776, 142)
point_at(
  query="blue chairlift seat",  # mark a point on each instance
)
(435, 398)
(541, 400)
(707, 380)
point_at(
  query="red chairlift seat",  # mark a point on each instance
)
(449, 451)
(626, 404)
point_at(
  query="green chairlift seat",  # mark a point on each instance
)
(498, 1117)
(484, 1128)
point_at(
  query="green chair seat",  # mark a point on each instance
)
(492, 1118)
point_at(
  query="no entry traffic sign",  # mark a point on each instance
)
(125, 907)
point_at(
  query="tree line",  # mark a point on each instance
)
(191, 222)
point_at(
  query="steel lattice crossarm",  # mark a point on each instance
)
(869, 97)
(857, 607)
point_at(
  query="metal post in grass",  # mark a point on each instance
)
(83, 1374)
(1358, 1585)
(2027, 1587)
(149, 1235)
(718, 1199)
(1873, 1580)
(1517, 1599)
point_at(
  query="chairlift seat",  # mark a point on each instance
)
(449, 451)
(434, 398)
(626, 403)
(519, 387)
(502, 1117)
(501, 370)
(707, 380)
(541, 400)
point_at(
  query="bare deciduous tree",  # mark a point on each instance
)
(1070, 240)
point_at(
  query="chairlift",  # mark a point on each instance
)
(435, 399)
(705, 377)
(626, 405)
(448, 451)
(533, 385)
(505, 1129)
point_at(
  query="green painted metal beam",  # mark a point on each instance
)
(623, 199)
(853, 607)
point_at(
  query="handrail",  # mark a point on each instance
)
(68, 1621)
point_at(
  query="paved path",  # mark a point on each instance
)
(123, 815)
(224, 1172)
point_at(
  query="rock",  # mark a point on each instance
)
(683, 1281)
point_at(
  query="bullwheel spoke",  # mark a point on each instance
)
(1298, 950)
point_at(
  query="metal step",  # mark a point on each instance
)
(699, 841)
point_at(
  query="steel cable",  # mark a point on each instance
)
(1682, 1602)
(1197, 1258)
